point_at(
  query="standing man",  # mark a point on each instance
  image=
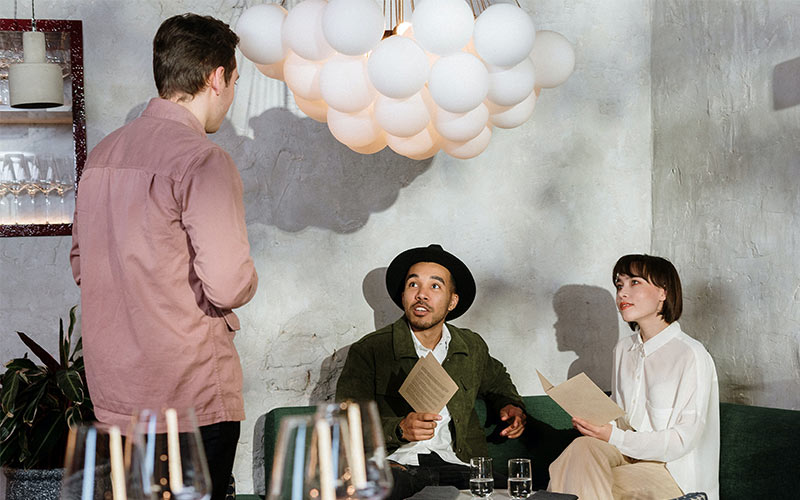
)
(430, 285)
(160, 249)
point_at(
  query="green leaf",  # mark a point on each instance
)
(8, 395)
(8, 454)
(77, 351)
(43, 444)
(20, 364)
(70, 383)
(71, 321)
(7, 428)
(63, 345)
(40, 353)
(33, 406)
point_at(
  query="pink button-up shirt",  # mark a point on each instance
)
(160, 251)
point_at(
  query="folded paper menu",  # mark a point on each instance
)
(428, 387)
(580, 397)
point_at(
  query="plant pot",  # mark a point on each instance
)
(25, 484)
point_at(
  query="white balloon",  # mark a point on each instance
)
(459, 82)
(316, 110)
(259, 30)
(460, 127)
(509, 86)
(504, 35)
(512, 116)
(398, 67)
(402, 117)
(345, 85)
(470, 148)
(442, 26)
(302, 30)
(274, 70)
(418, 144)
(373, 147)
(353, 27)
(302, 76)
(553, 59)
(355, 130)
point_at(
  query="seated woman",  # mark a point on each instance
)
(667, 444)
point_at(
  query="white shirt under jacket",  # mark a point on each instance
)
(669, 390)
(442, 441)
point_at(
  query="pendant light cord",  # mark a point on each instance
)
(33, 15)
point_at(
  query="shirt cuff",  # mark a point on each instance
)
(617, 435)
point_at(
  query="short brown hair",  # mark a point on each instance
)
(186, 49)
(659, 272)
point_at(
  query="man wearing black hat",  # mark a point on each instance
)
(430, 285)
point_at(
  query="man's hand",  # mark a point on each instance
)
(419, 426)
(602, 432)
(517, 424)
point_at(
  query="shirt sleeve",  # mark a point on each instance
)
(686, 421)
(213, 216)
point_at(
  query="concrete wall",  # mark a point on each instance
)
(726, 137)
(540, 217)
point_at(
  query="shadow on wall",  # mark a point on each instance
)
(296, 175)
(385, 312)
(587, 324)
(785, 90)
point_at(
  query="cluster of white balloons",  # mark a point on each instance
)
(441, 83)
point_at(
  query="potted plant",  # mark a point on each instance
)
(39, 403)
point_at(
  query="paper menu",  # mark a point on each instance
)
(580, 397)
(428, 386)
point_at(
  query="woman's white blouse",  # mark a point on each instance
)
(669, 391)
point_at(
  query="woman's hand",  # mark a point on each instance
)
(602, 432)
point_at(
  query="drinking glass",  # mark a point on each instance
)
(7, 208)
(14, 168)
(99, 465)
(65, 188)
(520, 481)
(337, 453)
(173, 460)
(481, 481)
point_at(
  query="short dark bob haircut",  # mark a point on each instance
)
(186, 49)
(657, 271)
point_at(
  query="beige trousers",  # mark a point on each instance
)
(596, 470)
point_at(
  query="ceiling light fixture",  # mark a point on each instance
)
(442, 81)
(35, 83)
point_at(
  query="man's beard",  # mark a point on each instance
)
(420, 324)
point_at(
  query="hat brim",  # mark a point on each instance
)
(398, 269)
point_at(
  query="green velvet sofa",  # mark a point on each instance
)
(759, 455)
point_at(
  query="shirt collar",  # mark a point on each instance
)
(162, 108)
(444, 342)
(655, 343)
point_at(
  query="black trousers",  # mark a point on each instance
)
(219, 441)
(431, 471)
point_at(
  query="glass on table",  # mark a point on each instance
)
(481, 481)
(173, 459)
(520, 481)
(101, 465)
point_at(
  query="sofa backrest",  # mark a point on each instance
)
(759, 456)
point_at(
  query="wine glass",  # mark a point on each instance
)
(174, 462)
(14, 165)
(65, 188)
(365, 473)
(100, 465)
(338, 453)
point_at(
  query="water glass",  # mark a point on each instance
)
(481, 481)
(520, 481)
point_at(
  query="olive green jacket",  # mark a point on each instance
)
(378, 364)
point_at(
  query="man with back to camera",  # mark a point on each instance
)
(160, 249)
(430, 285)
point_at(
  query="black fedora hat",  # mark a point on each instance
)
(398, 269)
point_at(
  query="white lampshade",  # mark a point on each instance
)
(504, 35)
(460, 127)
(35, 83)
(471, 148)
(259, 30)
(509, 86)
(398, 67)
(302, 30)
(442, 26)
(345, 85)
(403, 117)
(352, 27)
(458, 82)
(553, 57)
